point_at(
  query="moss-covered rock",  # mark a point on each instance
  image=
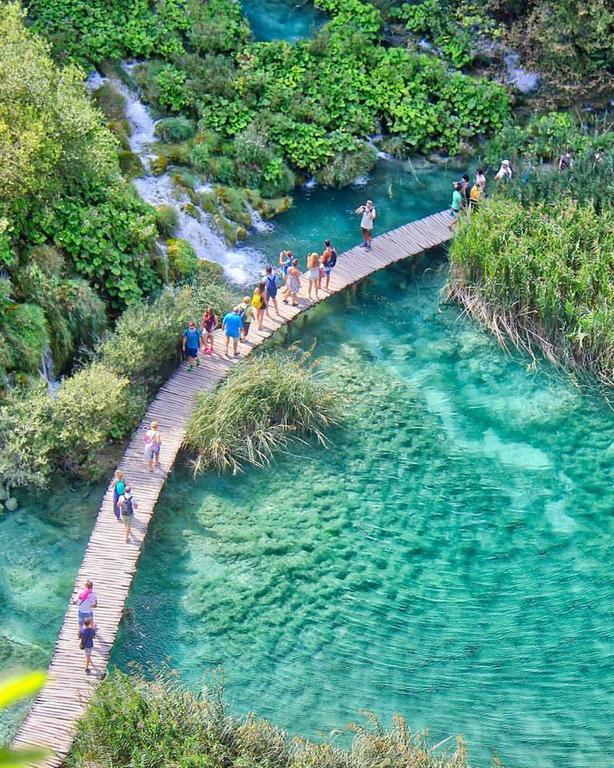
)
(25, 337)
(130, 164)
(158, 165)
(209, 271)
(166, 220)
(174, 129)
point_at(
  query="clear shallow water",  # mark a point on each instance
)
(448, 559)
(282, 19)
(41, 545)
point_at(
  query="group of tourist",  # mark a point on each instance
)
(236, 323)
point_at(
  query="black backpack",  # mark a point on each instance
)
(127, 508)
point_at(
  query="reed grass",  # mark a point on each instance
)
(134, 722)
(542, 277)
(266, 401)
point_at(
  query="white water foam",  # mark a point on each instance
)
(241, 265)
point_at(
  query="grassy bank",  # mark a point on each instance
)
(542, 278)
(134, 722)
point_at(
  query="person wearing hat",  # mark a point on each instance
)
(366, 223)
(505, 172)
(233, 325)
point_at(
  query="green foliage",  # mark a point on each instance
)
(571, 41)
(50, 135)
(23, 336)
(217, 26)
(41, 434)
(174, 129)
(549, 271)
(132, 721)
(265, 402)
(108, 240)
(90, 408)
(544, 138)
(95, 31)
(74, 314)
(146, 340)
(182, 260)
(451, 26)
(348, 165)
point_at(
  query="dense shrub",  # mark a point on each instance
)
(132, 721)
(545, 275)
(145, 343)
(166, 220)
(23, 335)
(264, 403)
(173, 129)
(181, 259)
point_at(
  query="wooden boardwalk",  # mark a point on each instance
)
(108, 560)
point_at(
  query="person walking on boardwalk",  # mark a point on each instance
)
(191, 343)
(127, 505)
(368, 213)
(285, 262)
(457, 202)
(247, 316)
(313, 272)
(294, 283)
(87, 633)
(118, 488)
(328, 261)
(270, 283)
(465, 189)
(259, 303)
(86, 602)
(153, 441)
(207, 329)
(233, 325)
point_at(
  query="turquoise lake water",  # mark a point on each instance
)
(282, 19)
(448, 558)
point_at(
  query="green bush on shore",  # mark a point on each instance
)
(102, 403)
(265, 402)
(132, 721)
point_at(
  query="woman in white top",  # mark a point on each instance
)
(366, 223)
(153, 441)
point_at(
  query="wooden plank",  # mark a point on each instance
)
(108, 560)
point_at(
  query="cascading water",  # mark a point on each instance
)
(46, 370)
(241, 265)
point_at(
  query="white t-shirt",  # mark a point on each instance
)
(368, 216)
(87, 605)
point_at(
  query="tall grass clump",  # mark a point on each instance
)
(265, 402)
(543, 277)
(134, 722)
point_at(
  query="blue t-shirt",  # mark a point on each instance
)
(233, 324)
(87, 636)
(192, 338)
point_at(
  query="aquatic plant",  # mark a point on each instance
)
(13, 690)
(265, 402)
(133, 721)
(541, 277)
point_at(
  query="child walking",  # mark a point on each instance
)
(87, 633)
(208, 326)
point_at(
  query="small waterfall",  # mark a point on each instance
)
(258, 223)
(241, 265)
(46, 370)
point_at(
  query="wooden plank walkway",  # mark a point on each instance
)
(108, 560)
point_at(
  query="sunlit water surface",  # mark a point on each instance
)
(289, 20)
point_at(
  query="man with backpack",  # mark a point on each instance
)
(328, 260)
(127, 505)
